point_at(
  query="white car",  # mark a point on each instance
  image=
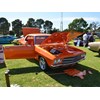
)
(95, 46)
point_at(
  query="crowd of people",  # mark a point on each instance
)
(84, 40)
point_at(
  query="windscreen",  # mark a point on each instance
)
(39, 39)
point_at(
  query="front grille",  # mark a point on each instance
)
(71, 59)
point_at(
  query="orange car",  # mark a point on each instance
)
(49, 50)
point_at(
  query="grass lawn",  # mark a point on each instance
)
(27, 74)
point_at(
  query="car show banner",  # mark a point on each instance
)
(1, 54)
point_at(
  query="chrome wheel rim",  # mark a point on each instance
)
(42, 63)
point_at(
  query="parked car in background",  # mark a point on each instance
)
(15, 41)
(6, 39)
(95, 46)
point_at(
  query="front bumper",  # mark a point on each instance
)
(70, 61)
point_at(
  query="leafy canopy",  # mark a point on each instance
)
(78, 25)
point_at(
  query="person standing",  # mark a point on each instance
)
(85, 40)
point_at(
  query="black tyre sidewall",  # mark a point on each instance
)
(99, 52)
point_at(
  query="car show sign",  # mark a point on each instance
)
(1, 54)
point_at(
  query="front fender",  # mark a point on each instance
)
(44, 53)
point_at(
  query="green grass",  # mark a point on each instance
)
(27, 74)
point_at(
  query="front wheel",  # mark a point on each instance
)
(43, 64)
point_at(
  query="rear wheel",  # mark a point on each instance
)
(43, 64)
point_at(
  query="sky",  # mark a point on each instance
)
(55, 17)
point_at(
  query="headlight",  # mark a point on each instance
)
(57, 61)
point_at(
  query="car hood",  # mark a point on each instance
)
(61, 37)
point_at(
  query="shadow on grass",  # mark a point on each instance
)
(97, 56)
(2, 65)
(25, 70)
(90, 80)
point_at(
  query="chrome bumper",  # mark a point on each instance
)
(68, 64)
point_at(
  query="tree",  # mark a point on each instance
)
(66, 30)
(4, 25)
(39, 23)
(78, 25)
(54, 30)
(17, 26)
(94, 26)
(11, 33)
(47, 26)
(31, 22)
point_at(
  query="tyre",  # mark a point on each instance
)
(43, 64)
(99, 52)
